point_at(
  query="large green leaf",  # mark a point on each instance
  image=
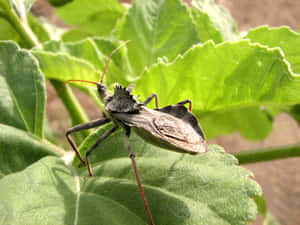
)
(19, 149)
(54, 195)
(282, 37)
(74, 12)
(104, 21)
(92, 51)
(182, 189)
(156, 28)
(22, 89)
(205, 27)
(222, 78)
(61, 66)
(91, 18)
(162, 170)
(213, 21)
(287, 40)
(252, 122)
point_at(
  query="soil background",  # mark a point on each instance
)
(280, 180)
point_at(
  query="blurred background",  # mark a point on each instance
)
(280, 180)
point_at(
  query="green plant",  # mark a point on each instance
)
(236, 84)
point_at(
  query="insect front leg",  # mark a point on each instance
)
(132, 156)
(85, 126)
(185, 102)
(150, 98)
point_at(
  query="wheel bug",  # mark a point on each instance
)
(172, 127)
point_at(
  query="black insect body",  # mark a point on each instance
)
(172, 127)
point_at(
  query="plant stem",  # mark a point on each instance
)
(260, 155)
(22, 28)
(72, 105)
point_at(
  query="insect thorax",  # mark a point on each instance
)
(122, 101)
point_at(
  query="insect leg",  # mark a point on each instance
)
(185, 102)
(150, 98)
(85, 126)
(105, 135)
(132, 156)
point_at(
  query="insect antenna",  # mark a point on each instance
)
(109, 58)
(103, 73)
(68, 81)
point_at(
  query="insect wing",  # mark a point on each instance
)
(164, 130)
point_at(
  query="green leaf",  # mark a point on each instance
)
(104, 21)
(61, 66)
(205, 27)
(19, 149)
(77, 11)
(213, 21)
(180, 188)
(22, 90)
(88, 15)
(163, 174)
(282, 37)
(223, 78)
(89, 57)
(156, 28)
(252, 123)
(56, 195)
(288, 41)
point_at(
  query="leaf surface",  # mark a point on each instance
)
(19, 149)
(64, 67)
(223, 78)
(22, 89)
(216, 190)
(213, 21)
(156, 28)
(90, 56)
(287, 40)
(91, 18)
(282, 37)
(253, 123)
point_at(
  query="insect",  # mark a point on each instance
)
(173, 127)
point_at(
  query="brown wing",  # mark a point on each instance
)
(179, 133)
(172, 127)
(164, 130)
